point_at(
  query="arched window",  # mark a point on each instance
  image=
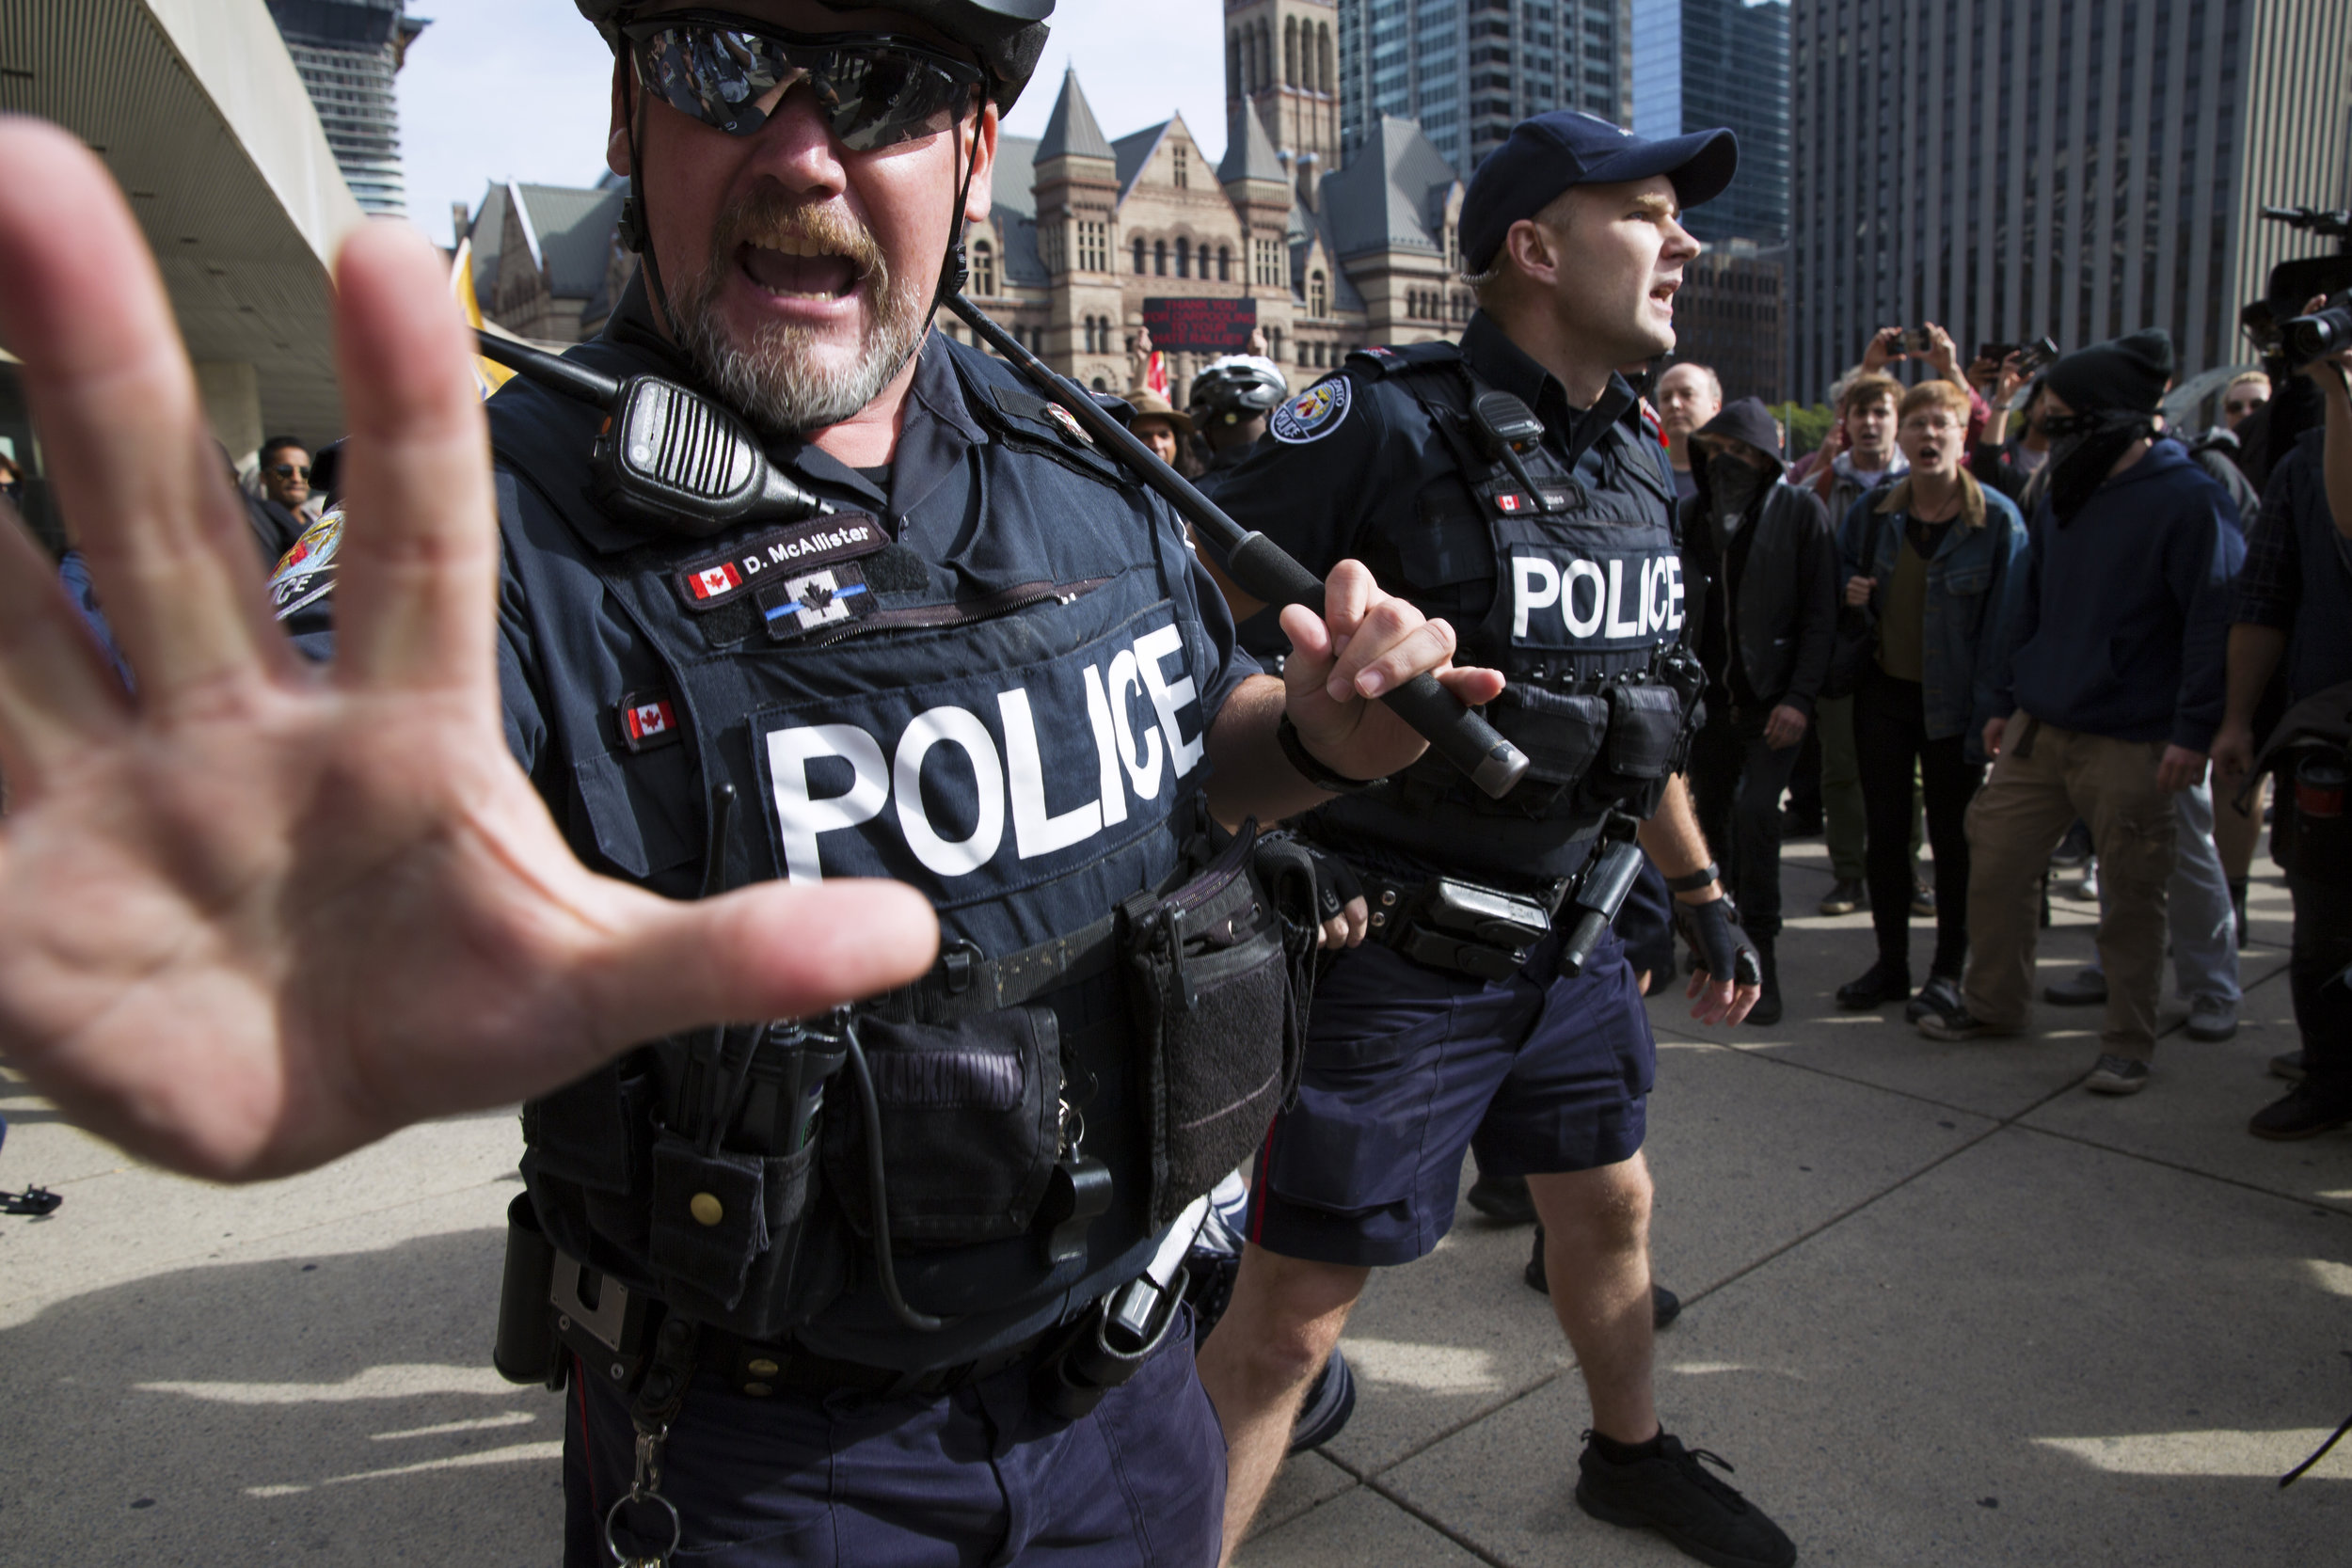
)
(1290, 51)
(1318, 295)
(1233, 64)
(983, 268)
(1138, 256)
(1159, 257)
(1323, 57)
(1224, 263)
(1265, 53)
(1184, 257)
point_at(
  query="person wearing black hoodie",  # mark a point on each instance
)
(2109, 701)
(1762, 568)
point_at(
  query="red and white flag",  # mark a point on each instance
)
(1155, 376)
(648, 719)
(717, 581)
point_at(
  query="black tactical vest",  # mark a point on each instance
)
(1588, 599)
(1005, 710)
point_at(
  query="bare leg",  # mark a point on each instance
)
(1596, 1257)
(1278, 1331)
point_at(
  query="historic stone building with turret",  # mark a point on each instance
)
(1088, 230)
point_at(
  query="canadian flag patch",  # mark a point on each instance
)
(1507, 502)
(647, 719)
(712, 583)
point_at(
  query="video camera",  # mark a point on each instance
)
(2300, 339)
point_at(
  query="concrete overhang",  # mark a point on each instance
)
(196, 107)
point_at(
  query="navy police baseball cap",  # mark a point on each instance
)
(1547, 153)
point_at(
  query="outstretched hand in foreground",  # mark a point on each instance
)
(262, 913)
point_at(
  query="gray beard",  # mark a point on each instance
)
(770, 383)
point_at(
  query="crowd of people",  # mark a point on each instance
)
(935, 756)
(2016, 571)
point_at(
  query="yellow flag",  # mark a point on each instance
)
(488, 374)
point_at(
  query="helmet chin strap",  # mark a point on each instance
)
(956, 268)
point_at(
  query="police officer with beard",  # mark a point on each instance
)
(585, 780)
(1513, 487)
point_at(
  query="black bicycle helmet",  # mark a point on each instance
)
(1008, 34)
(1243, 386)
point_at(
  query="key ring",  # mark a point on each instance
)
(645, 1487)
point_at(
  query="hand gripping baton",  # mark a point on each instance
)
(1261, 566)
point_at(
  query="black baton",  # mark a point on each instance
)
(1262, 568)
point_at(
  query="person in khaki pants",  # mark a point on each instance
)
(2109, 703)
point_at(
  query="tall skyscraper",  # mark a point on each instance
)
(1470, 70)
(2077, 168)
(347, 53)
(1698, 64)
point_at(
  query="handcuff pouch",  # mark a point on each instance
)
(1219, 972)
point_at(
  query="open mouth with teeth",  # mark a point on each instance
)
(799, 268)
(1663, 294)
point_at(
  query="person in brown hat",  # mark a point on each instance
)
(1160, 426)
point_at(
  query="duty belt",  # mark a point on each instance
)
(1460, 927)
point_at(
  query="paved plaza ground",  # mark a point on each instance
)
(1943, 1308)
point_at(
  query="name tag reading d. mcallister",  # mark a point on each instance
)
(710, 581)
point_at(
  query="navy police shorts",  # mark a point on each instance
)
(971, 1478)
(1407, 1067)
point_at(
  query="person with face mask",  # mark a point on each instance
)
(1763, 574)
(2106, 702)
(809, 872)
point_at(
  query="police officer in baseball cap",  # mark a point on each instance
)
(1513, 487)
(890, 1283)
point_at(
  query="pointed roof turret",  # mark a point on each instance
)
(1248, 154)
(1072, 132)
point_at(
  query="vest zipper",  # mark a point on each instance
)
(1005, 601)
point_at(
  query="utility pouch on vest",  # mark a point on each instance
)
(971, 1126)
(1220, 974)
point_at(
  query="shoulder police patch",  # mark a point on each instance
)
(1314, 413)
(305, 574)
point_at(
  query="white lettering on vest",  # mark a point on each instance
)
(1538, 588)
(1619, 626)
(1010, 776)
(1167, 696)
(1111, 782)
(1035, 832)
(789, 752)
(947, 856)
(1583, 571)
(1143, 764)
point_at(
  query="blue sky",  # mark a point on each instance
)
(516, 89)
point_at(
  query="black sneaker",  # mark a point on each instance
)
(1940, 996)
(1882, 983)
(1330, 1401)
(1669, 1492)
(2302, 1114)
(1502, 1199)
